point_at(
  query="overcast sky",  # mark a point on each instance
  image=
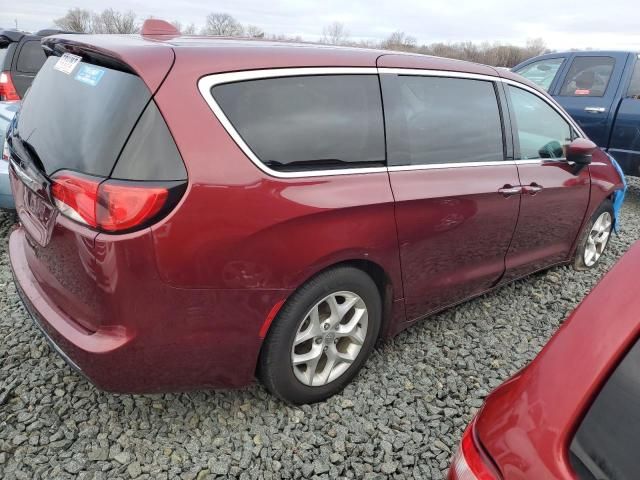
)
(613, 24)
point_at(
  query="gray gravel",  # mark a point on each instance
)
(402, 417)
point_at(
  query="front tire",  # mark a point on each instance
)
(595, 237)
(322, 336)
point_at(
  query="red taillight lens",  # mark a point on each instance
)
(111, 205)
(76, 196)
(469, 462)
(122, 207)
(7, 89)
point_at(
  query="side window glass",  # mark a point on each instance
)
(308, 122)
(542, 72)
(542, 132)
(31, 57)
(634, 87)
(439, 120)
(588, 77)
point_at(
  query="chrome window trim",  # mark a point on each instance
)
(206, 83)
(441, 166)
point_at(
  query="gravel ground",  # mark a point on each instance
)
(402, 417)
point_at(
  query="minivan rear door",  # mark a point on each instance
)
(589, 89)
(77, 117)
(457, 196)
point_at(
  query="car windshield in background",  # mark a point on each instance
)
(543, 72)
(80, 120)
(606, 443)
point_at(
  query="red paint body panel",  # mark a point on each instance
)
(184, 303)
(526, 424)
(561, 204)
(438, 211)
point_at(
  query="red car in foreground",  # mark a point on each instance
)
(574, 412)
(194, 211)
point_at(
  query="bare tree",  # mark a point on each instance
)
(253, 31)
(184, 29)
(113, 21)
(222, 24)
(335, 34)
(75, 20)
(189, 29)
(399, 41)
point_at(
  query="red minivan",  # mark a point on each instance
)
(198, 211)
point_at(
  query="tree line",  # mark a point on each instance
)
(496, 54)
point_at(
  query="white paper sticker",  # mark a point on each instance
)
(67, 62)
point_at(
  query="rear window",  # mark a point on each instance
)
(634, 87)
(606, 443)
(308, 122)
(31, 57)
(80, 121)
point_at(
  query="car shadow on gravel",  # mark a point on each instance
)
(402, 415)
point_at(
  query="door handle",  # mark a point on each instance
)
(509, 190)
(532, 189)
(594, 109)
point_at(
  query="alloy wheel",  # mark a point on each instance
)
(597, 239)
(329, 338)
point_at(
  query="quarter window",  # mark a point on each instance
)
(542, 72)
(542, 132)
(308, 122)
(31, 57)
(588, 77)
(439, 120)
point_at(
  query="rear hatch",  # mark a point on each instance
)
(89, 153)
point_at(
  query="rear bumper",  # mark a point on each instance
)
(191, 339)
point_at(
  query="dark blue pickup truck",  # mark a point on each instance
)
(601, 91)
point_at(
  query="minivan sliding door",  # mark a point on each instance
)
(457, 198)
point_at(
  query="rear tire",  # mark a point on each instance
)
(595, 237)
(322, 336)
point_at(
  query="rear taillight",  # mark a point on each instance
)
(7, 89)
(470, 462)
(113, 205)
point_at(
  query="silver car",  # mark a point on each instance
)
(7, 111)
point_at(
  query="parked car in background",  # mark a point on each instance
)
(573, 412)
(601, 91)
(7, 111)
(21, 56)
(256, 209)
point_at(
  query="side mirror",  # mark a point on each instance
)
(580, 150)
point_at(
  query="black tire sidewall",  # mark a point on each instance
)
(578, 263)
(275, 369)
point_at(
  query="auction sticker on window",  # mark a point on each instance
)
(67, 62)
(89, 74)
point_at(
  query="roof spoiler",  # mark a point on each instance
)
(57, 46)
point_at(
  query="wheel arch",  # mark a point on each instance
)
(377, 273)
